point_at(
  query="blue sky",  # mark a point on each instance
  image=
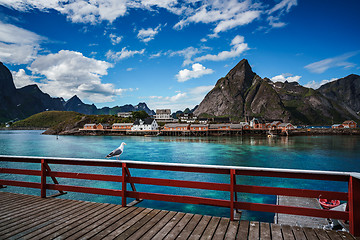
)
(170, 53)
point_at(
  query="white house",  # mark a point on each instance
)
(145, 125)
(163, 115)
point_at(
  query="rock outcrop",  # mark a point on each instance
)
(242, 93)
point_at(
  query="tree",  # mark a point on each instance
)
(140, 115)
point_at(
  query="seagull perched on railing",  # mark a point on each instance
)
(117, 152)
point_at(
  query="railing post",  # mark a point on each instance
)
(123, 200)
(43, 179)
(354, 206)
(232, 190)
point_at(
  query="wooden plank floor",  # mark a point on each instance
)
(31, 217)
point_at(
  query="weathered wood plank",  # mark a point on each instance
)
(232, 230)
(73, 224)
(149, 225)
(40, 221)
(276, 231)
(179, 227)
(298, 233)
(333, 235)
(62, 223)
(130, 231)
(254, 230)
(265, 233)
(126, 225)
(200, 228)
(310, 234)
(287, 232)
(167, 228)
(18, 217)
(243, 231)
(185, 233)
(221, 229)
(346, 235)
(210, 229)
(102, 222)
(321, 234)
(89, 221)
(158, 226)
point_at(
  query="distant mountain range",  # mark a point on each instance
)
(242, 93)
(26, 101)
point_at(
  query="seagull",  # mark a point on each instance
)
(117, 152)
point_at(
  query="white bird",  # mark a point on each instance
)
(117, 152)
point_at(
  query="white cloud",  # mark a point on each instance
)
(146, 35)
(187, 53)
(156, 55)
(124, 53)
(338, 61)
(197, 71)
(284, 5)
(21, 79)
(238, 47)
(285, 77)
(68, 73)
(115, 39)
(129, 69)
(18, 45)
(181, 100)
(316, 85)
(225, 14)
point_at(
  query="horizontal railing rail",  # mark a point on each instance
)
(352, 196)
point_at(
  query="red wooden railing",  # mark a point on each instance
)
(352, 196)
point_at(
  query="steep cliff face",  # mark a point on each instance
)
(242, 93)
(345, 90)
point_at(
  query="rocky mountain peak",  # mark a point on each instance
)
(7, 86)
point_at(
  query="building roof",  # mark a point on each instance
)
(275, 122)
(199, 125)
(215, 126)
(89, 125)
(163, 111)
(348, 121)
(122, 124)
(337, 125)
(147, 121)
(172, 125)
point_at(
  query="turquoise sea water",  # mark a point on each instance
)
(335, 153)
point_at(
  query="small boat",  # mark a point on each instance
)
(327, 203)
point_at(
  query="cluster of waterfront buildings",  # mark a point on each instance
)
(189, 123)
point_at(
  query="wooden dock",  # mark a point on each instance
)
(298, 220)
(32, 217)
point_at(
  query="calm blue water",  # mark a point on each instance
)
(335, 153)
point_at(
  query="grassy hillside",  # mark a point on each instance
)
(47, 119)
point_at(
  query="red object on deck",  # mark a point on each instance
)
(327, 203)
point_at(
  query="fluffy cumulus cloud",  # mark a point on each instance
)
(338, 61)
(285, 77)
(68, 73)
(238, 47)
(197, 71)
(187, 53)
(18, 45)
(22, 79)
(316, 85)
(124, 53)
(146, 35)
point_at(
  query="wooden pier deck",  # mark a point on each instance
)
(32, 217)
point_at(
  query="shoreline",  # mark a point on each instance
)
(252, 132)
